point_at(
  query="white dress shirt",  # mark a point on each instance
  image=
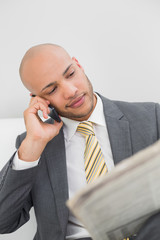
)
(75, 146)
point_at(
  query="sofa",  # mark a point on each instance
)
(9, 129)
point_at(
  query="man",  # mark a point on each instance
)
(48, 167)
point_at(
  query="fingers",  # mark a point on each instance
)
(38, 103)
(34, 107)
(42, 107)
(38, 99)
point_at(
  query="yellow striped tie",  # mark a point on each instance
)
(93, 156)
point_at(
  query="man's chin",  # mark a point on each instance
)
(78, 117)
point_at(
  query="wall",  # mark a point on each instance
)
(117, 43)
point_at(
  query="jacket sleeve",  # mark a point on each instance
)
(158, 120)
(15, 195)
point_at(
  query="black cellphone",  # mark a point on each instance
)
(53, 114)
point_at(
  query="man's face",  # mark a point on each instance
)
(62, 81)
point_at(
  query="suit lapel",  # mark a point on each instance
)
(118, 130)
(56, 163)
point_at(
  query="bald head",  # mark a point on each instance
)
(49, 72)
(38, 59)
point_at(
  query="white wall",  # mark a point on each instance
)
(117, 42)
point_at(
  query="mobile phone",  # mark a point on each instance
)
(53, 114)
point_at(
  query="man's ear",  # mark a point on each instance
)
(78, 64)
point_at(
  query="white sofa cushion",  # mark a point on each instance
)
(10, 128)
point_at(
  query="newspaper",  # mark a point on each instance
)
(114, 207)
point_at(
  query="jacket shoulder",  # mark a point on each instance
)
(137, 107)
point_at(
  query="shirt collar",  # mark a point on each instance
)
(97, 117)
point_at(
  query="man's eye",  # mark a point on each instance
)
(52, 90)
(71, 74)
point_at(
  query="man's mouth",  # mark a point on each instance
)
(77, 102)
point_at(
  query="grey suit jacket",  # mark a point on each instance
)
(131, 127)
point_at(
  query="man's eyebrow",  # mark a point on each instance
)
(67, 69)
(49, 85)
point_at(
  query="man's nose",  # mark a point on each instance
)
(69, 90)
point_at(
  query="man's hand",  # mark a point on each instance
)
(39, 133)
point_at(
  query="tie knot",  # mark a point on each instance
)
(85, 128)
